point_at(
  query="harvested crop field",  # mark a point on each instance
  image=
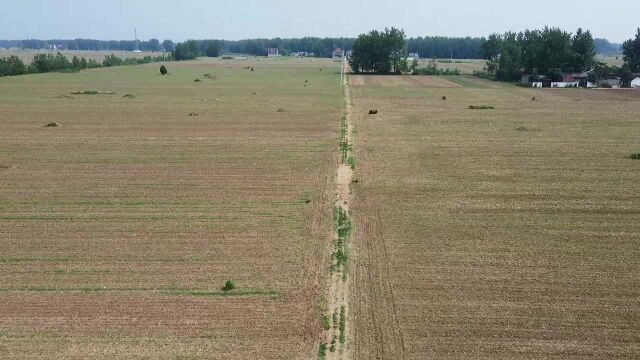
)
(119, 227)
(507, 233)
(401, 81)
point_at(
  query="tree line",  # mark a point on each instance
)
(152, 45)
(551, 51)
(44, 63)
(428, 46)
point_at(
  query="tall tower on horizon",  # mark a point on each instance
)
(137, 42)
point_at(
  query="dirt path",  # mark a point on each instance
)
(336, 338)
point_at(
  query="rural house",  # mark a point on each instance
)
(568, 80)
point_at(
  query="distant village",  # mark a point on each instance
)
(575, 80)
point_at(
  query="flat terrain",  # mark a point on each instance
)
(119, 228)
(495, 234)
(466, 66)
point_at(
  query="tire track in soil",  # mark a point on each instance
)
(376, 333)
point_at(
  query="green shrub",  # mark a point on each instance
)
(322, 351)
(343, 324)
(635, 156)
(163, 70)
(229, 285)
(326, 322)
(480, 107)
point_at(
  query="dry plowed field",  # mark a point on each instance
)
(511, 233)
(119, 228)
(401, 81)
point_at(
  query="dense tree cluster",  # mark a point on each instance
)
(187, 50)
(380, 52)
(191, 49)
(445, 47)
(44, 63)
(549, 51)
(12, 66)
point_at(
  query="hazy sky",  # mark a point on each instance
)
(616, 20)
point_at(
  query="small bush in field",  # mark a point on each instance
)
(229, 285)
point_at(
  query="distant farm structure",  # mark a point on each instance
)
(563, 80)
(338, 54)
(273, 52)
(303, 54)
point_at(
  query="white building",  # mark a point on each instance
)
(273, 52)
(635, 83)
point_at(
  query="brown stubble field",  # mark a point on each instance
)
(495, 234)
(119, 228)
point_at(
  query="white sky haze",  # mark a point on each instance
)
(615, 20)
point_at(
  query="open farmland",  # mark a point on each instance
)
(119, 228)
(510, 233)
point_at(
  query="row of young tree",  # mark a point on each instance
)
(538, 52)
(551, 52)
(152, 45)
(44, 63)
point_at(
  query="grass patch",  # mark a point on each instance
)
(130, 96)
(343, 324)
(343, 227)
(322, 351)
(197, 80)
(480, 107)
(52, 124)
(169, 292)
(344, 142)
(635, 156)
(11, 260)
(326, 322)
(351, 161)
(270, 293)
(93, 92)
